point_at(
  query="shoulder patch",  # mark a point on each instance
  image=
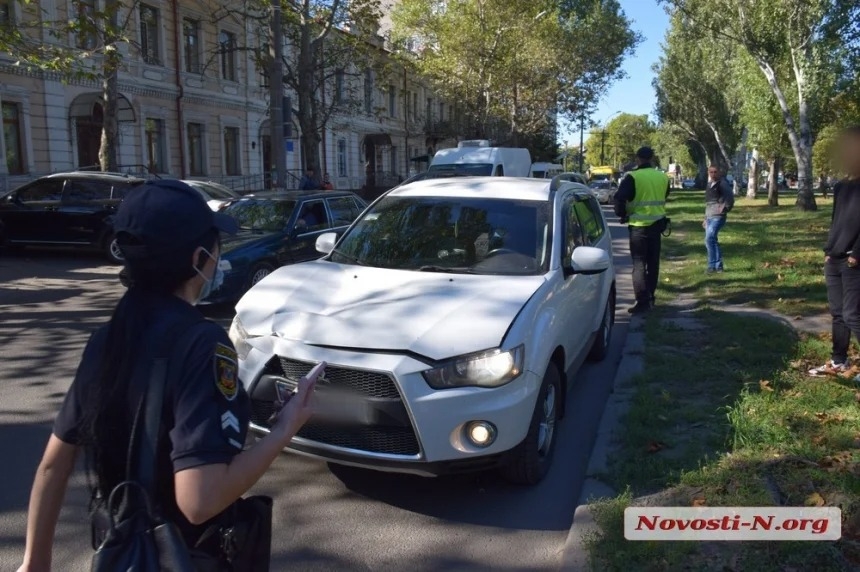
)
(226, 371)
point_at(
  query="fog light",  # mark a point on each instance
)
(481, 433)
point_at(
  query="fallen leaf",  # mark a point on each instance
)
(699, 502)
(815, 499)
(798, 317)
(767, 264)
(655, 446)
(818, 439)
(821, 415)
(765, 385)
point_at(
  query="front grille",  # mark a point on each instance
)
(369, 383)
(374, 439)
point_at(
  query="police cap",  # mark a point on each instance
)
(165, 214)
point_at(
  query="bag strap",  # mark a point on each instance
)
(143, 453)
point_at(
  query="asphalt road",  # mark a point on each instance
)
(326, 517)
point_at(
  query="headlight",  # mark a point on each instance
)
(491, 368)
(239, 337)
(225, 265)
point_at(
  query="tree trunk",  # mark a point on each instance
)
(740, 159)
(800, 139)
(308, 116)
(110, 91)
(752, 183)
(773, 182)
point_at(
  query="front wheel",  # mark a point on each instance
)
(112, 250)
(532, 458)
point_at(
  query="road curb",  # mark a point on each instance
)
(574, 556)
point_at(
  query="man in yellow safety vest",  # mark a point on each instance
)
(640, 202)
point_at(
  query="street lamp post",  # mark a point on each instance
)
(581, 141)
(603, 138)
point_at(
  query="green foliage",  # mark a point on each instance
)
(515, 59)
(625, 134)
(691, 81)
(672, 144)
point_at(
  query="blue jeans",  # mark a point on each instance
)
(712, 243)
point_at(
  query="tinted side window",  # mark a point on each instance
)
(343, 211)
(592, 226)
(573, 235)
(83, 191)
(314, 215)
(42, 191)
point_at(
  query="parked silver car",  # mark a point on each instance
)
(604, 191)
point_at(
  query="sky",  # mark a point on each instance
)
(634, 94)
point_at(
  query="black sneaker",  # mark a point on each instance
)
(639, 308)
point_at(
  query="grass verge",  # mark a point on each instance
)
(773, 255)
(724, 415)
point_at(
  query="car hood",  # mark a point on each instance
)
(243, 238)
(431, 314)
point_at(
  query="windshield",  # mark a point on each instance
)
(216, 192)
(444, 234)
(463, 169)
(259, 214)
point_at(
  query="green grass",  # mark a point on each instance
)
(773, 255)
(724, 415)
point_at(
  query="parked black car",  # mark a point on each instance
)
(66, 209)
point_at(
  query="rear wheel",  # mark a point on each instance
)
(112, 250)
(533, 457)
(600, 349)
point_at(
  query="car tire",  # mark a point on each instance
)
(532, 458)
(600, 348)
(112, 250)
(257, 273)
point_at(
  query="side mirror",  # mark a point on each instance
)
(589, 260)
(325, 242)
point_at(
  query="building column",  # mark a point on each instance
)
(59, 134)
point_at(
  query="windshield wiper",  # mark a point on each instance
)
(447, 269)
(350, 257)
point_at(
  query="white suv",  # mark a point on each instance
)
(450, 314)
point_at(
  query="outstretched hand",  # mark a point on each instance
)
(297, 410)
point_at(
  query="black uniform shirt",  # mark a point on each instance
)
(207, 410)
(844, 237)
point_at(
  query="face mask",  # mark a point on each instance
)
(210, 284)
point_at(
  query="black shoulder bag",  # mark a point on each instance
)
(138, 539)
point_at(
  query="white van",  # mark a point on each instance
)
(546, 170)
(477, 158)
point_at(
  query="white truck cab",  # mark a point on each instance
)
(478, 158)
(545, 170)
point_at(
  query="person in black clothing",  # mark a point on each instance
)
(842, 256)
(171, 242)
(644, 209)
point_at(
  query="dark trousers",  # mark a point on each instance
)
(645, 251)
(843, 296)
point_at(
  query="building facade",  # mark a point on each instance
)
(193, 104)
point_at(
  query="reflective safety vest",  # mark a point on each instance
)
(649, 203)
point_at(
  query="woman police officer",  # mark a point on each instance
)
(171, 243)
